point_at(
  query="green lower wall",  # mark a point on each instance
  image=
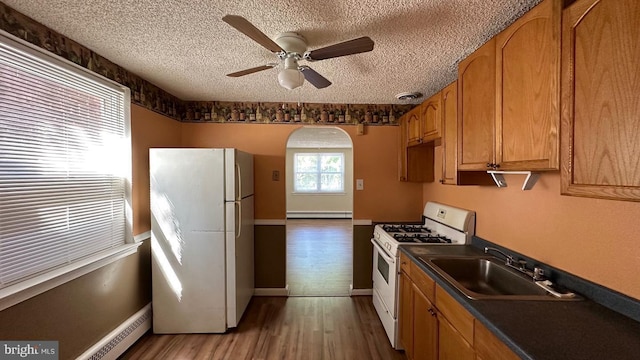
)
(81, 312)
(271, 256)
(362, 256)
(270, 243)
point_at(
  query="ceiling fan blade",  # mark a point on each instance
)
(314, 78)
(350, 47)
(244, 26)
(250, 71)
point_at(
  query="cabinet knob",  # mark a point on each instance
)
(495, 166)
(489, 165)
(441, 181)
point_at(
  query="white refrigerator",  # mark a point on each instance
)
(201, 238)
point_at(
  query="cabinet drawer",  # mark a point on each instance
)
(423, 281)
(488, 346)
(457, 315)
(405, 264)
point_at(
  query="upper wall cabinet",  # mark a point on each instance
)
(415, 162)
(413, 127)
(431, 120)
(528, 90)
(476, 108)
(449, 115)
(509, 96)
(449, 103)
(601, 99)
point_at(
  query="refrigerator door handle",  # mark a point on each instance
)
(239, 222)
(239, 196)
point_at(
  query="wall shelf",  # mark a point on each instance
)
(529, 181)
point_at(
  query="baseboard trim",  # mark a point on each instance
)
(121, 338)
(271, 291)
(319, 214)
(360, 292)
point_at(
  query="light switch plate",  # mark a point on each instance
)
(359, 184)
(275, 175)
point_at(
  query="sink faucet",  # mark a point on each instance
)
(509, 258)
(537, 274)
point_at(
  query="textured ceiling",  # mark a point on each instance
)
(186, 49)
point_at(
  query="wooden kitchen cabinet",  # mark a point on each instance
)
(488, 346)
(476, 108)
(418, 323)
(414, 131)
(406, 314)
(528, 90)
(600, 109)
(508, 96)
(415, 162)
(425, 327)
(430, 111)
(449, 115)
(451, 345)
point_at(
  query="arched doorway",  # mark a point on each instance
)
(319, 191)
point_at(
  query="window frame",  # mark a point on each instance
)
(49, 279)
(319, 172)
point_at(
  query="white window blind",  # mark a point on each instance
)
(318, 172)
(64, 163)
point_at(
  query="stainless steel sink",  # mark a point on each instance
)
(487, 278)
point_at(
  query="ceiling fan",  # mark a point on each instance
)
(290, 48)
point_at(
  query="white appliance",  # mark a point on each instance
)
(443, 225)
(201, 238)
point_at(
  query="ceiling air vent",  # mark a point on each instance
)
(408, 96)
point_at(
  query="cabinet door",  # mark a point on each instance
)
(600, 87)
(402, 151)
(414, 132)
(476, 108)
(449, 104)
(489, 346)
(425, 327)
(406, 314)
(431, 120)
(528, 91)
(451, 345)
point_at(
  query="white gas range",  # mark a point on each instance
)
(443, 225)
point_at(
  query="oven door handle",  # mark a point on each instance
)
(383, 253)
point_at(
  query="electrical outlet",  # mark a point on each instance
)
(359, 184)
(275, 175)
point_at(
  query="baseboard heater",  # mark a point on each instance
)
(121, 338)
(319, 214)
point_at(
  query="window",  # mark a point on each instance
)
(64, 164)
(318, 172)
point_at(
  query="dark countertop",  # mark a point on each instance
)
(544, 330)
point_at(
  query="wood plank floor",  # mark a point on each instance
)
(319, 257)
(284, 328)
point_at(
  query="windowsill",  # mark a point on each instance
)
(317, 193)
(29, 288)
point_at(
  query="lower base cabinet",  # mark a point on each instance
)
(434, 326)
(451, 345)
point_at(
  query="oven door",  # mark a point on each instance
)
(385, 278)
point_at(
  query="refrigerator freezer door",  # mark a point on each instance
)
(239, 174)
(186, 189)
(240, 258)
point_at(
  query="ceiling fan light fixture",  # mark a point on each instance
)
(290, 78)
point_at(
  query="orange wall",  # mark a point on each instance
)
(148, 129)
(598, 240)
(384, 198)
